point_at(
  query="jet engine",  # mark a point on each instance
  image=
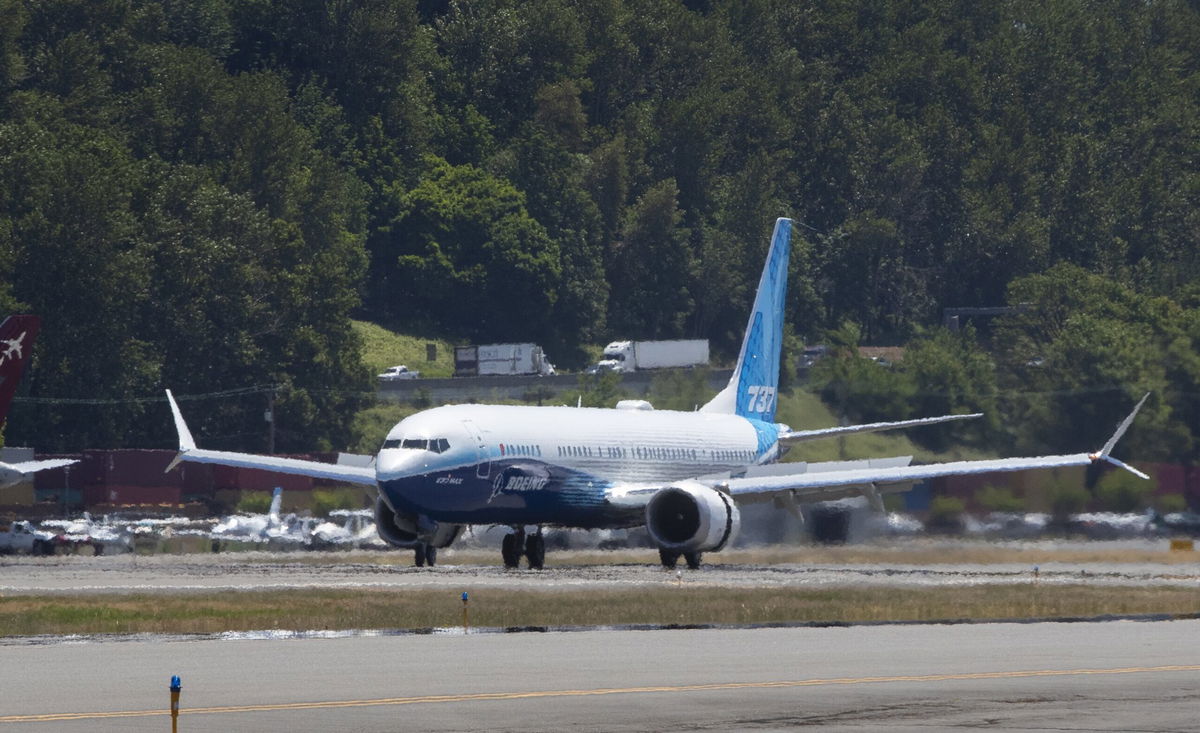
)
(692, 518)
(405, 530)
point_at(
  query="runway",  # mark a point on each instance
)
(282, 571)
(1142, 676)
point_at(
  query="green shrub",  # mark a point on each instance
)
(600, 390)
(945, 513)
(1169, 503)
(680, 389)
(326, 500)
(1121, 491)
(254, 502)
(1067, 498)
(997, 499)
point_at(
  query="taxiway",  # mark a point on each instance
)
(1141, 676)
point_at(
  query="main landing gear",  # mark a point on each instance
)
(517, 543)
(669, 557)
(425, 554)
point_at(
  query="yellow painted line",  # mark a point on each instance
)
(480, 696)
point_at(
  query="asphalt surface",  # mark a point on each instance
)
(1117, 676)
(259, 570)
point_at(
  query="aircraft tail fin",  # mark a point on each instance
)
(753, 388)
(276, 501)
(17, 334)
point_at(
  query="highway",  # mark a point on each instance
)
(1142, 676)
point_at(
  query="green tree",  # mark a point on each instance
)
(465, 254)
(952, 374)
(651, 268)
(1080, 352)
(858, 389)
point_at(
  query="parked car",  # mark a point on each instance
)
(395, 373)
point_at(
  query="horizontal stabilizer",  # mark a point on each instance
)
(800, 436)
(35, 466)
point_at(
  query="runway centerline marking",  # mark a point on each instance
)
(482, 696)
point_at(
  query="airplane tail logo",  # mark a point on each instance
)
(17, 334)
(753, 389)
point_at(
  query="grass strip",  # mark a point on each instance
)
(669, 604)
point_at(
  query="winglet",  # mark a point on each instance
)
(186, 442)
(1103, 453)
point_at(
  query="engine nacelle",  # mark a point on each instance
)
(691, 517)
(406, 530)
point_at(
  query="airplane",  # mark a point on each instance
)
(271, 527)
(104, 537)
(251, 526)
(357, 530)
(680, 474)
(18, 333)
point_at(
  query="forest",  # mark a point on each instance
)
(204, 194)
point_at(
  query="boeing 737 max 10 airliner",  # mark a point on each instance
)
(681, 474)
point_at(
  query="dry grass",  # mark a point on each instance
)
(667, 604)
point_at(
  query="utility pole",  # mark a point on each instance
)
(269, 416)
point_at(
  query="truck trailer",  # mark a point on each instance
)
(501, 360)
(630, 356)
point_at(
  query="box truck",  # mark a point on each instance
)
(501, 359)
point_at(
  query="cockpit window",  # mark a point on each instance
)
(435, 445)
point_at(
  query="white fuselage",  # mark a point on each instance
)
(507, 464)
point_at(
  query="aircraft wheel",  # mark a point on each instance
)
(430, 555)
(510, 549)
(419, 554)
(693, 560)
(668, 558)
(535, 551)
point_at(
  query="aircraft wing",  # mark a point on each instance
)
(316, 469)
(825, 485)
(873, 482)
(35, 466)
(799, 436)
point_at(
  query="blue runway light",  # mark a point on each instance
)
(175, 685)
(464, 596)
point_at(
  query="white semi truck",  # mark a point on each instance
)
(630, 356)
(501, 360)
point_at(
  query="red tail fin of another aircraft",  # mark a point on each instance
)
(17, 334)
